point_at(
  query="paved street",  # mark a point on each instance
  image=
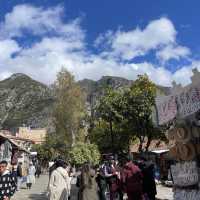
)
(38, 191)
(164, 193)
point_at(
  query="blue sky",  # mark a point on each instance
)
(92, 38)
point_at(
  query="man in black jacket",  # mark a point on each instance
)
(7, 182)
(149, 185)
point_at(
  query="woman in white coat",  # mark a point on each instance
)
(31, 176)
(59, 182)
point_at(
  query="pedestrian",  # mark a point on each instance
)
(114, 181)
(38, 170)
(31, 176)
(19, 176)
(103, 180)
(14, 172)
(53, 165)
(132, 181)
(88, 187)
(58, 188)
(7, 182)
(70, 178)
(149, 184)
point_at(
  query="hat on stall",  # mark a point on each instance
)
(187, 151)
(174, 152)
(171, 134)
(182, 134)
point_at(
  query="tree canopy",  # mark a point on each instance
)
(127, 114)
(84, 152)
(69, 109)
(68, 114)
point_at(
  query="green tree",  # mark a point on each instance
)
(68, 112)
(100, 135)
(84, 152)
(108, 111)
(122, 116)
(46, 151)
(140, 100)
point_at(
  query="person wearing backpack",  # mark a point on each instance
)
(132, 181)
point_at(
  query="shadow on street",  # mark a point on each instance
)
(38, 196)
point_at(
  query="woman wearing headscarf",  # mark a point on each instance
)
(59, 182)
(88, 186)
(31, 176)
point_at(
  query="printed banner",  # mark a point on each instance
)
(188, 102)
(166, 109)
(182, 105)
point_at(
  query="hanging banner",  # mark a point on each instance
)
(185, 174)
(166, 109)
(182, 105)
(188, 102)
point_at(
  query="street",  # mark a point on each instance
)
(36, 193)
(39, 189)
(164, 193)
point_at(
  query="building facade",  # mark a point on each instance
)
(38, 136)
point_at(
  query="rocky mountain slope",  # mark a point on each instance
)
(24, 101)
(94, 89)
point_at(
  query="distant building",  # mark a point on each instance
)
(38, 136)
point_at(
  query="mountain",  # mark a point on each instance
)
(24, 101)
(94, 89)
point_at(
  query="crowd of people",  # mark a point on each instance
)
(112, 180)
(109, 181)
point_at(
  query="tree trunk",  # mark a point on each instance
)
(129, 146)
(141, 139)
(148, 143)
(112, 136)
(73, 138)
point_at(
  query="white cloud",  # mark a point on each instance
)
(39, 21)
(8, 48)
(137, 42)
(43, 61)
(54, 47)
(183, 75)
(63, 44)
(171, 51)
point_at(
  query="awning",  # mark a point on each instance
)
(160, 151)
(33, 153)
(14, 144)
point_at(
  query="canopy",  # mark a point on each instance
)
(160, 151)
